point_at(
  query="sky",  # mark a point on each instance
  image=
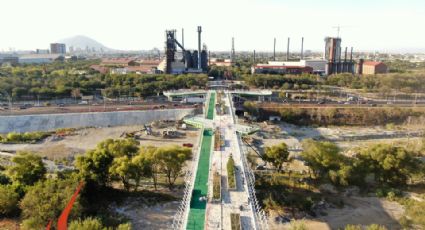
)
(367, 25)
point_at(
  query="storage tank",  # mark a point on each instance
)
(195, 59)
(188, 59)
(204, 60)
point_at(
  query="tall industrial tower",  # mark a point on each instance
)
(199, 47)
(232, 52)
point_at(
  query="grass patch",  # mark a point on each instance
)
(235, 221)
(216, 186)
(231, 177)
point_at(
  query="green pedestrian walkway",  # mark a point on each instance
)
(211, 107)
(196, 219)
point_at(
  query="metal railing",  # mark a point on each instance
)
(260, 216)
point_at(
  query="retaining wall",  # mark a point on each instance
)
(50, 122)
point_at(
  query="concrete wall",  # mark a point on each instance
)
(50, 122)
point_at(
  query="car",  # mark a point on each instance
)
(61, 105)
(373, 105)
(83, 103)
(260, 167)
(189, 145)
(321, 102)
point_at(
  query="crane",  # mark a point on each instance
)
(338, 29)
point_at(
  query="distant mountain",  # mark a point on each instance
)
(82, 42)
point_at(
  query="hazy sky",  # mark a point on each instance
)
(140, 24)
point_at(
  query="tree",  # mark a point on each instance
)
(321, 156)
(152, 164)
(45, 201)
(94, 165)
(171, 160)
(8, 200)
(120, 147)
(143, 168)
(86, 224)
(277, 155)
(389, 164)
(28, 168)
(123, 168)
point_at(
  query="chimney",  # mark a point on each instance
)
(287, 49)
(254, 57)
(302, 49)
(351, 58)
(346, 50)
(274, 50)
(183, 37)
(199, 47)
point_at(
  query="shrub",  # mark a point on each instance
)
(216, 186)
(231, 177)
(8, 200)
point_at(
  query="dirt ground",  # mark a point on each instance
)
(344, 137)
(9, 224)
(87, 138)
(357, 211)
(159, 216)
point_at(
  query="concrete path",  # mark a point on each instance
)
(233, 201)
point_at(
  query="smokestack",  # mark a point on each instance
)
(351, 58)
(183, 37)
(232, 52)
(346, 50)
(274, 50)
(209, 57)
(254, 57)
(302, 49)
(199, 47)
(287, 49)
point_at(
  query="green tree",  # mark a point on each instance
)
(277, 155)
(8, 200)
(389, 164)
(321, 156)
(45, 201)
(94, 165)
(124, 169)
(27, 169)
(86, 224)
(172, 160)
(143, 168)
(119, 147)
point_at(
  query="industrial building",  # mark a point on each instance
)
(371, 67)
(57, 48)
(280, 68)
(335, 64)
(40, 58)
(9, 60)
(195, 61)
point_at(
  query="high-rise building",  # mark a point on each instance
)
(57, 48)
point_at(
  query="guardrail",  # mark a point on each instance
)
(260, 217)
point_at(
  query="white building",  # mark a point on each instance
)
(39, 58)
(319, 66)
